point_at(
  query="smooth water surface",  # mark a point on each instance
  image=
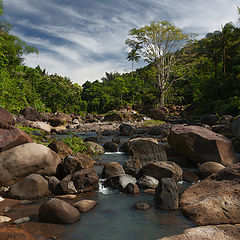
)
(115, 219)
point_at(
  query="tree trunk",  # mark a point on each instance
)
(132, 68)
(162, 100)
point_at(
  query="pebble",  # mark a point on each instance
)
(21, 220)
(21, 202)
(142, 206)
(4, 219)
(7, 209)
(1, 199)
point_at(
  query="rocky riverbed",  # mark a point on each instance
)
(45, 187)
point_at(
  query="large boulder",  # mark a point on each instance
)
(30, 113)
(12, 137)
(73, 164)
(215, 200)
(31, 187)
(146, 149)
(161, 170)
(26, 159)
(61, 148)
(166, 195)
(112, 169)
(223, 232)
(201, 145)
(120, 181)
(6, 118)
(94, 148)
(126, 130)
(58, 211)
(79, 182)
(133, 167)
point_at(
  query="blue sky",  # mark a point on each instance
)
(83, 39)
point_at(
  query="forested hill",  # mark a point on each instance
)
(206, 75)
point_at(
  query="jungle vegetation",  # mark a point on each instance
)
(180, 70)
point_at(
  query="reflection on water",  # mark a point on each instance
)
(115, 219)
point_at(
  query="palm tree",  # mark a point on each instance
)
(133, 56)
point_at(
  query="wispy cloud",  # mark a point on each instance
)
(83, 39)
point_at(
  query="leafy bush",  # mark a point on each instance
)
(76, 144)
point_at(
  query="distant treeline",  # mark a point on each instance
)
(212, 84)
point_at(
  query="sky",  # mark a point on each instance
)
(83, 39)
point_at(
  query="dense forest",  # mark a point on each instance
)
(204, 73)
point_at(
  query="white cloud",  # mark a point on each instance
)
(83, 41)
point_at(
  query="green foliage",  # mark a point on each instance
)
(179, 71)
(76, 144)
(153, 123)
(158, 44)
(39, 136)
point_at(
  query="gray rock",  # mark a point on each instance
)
(21, 220)
(52, 184)
(166, 195)
(58, 211)
(126, 130)
(41, 125)
(95, 148)
(110, 147)
(79, 182)
(148, 182)
(201, 145)
(215, 200)
(146, 149)
(208, 168)
(112, 169)
(133, 167)
(210, 119)
(31, 187)
(120, 182)
(161, 170)
(142, 206)
(85, 205)
(131, 189)
(26, 159)
(210, 232)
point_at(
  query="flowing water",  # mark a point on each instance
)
(114, 217)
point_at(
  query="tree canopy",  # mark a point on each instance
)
(159, 43)
(204, 73)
